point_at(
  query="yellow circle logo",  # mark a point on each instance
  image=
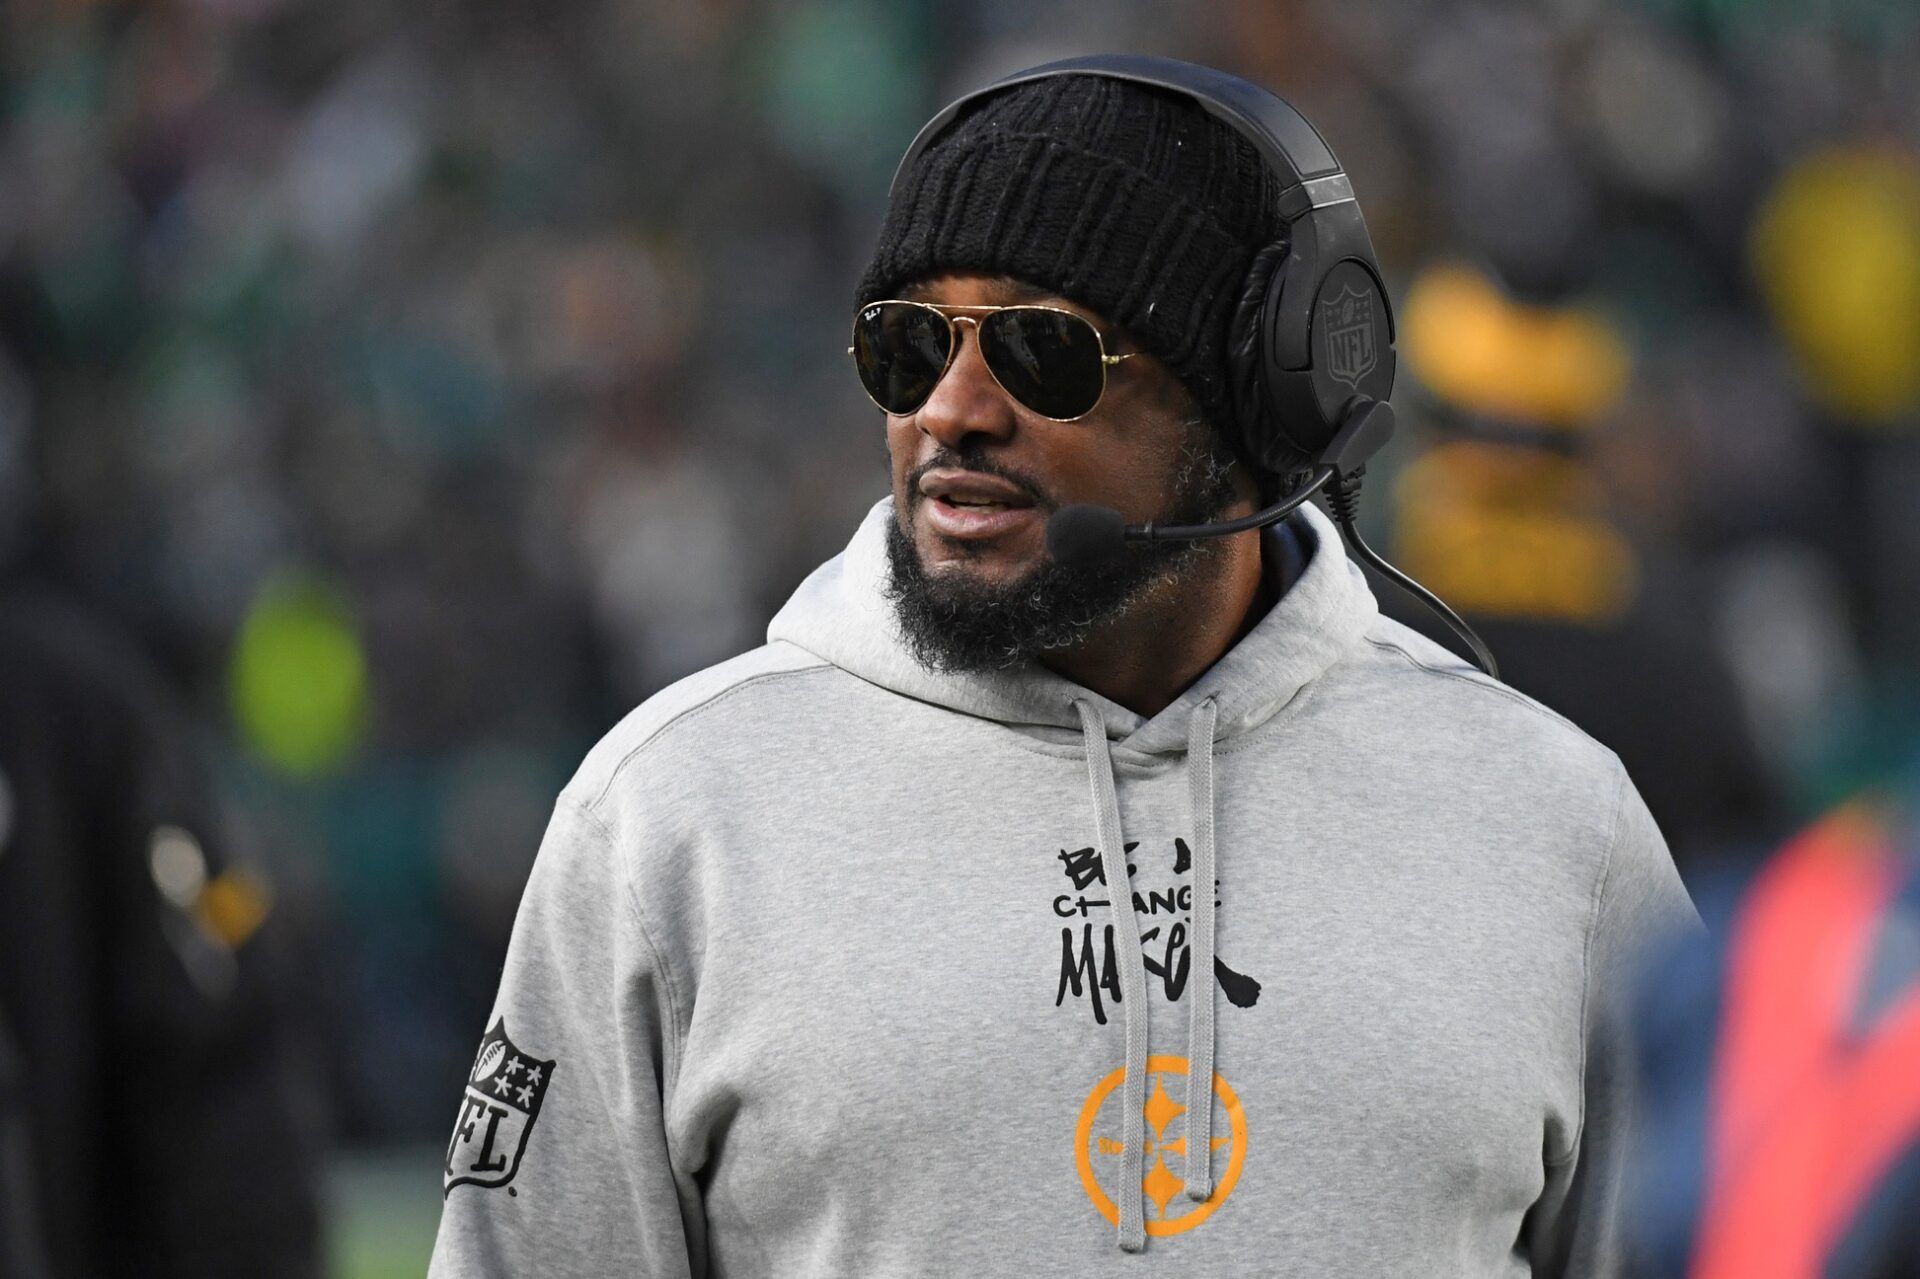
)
(1099, 1147)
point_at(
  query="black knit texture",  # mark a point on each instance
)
(1129, 200)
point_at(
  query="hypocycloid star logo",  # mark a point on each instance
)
(1098, 1146)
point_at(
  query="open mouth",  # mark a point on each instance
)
(976, 519)
(974, 505)
(978, 504)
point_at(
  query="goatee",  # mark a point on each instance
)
(957, 623)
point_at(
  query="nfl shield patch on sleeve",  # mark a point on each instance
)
(496, 1115)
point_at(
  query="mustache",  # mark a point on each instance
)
(948, 459)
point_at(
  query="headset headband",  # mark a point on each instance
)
(1310, 177)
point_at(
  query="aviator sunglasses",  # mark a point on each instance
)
(1050, 360)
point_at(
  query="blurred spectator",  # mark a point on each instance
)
(153, 1120)
(1781, 1064)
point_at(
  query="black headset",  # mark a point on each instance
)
(1310, 353)
(1313, 331)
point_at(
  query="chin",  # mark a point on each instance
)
(1003, 558)
(948, 564)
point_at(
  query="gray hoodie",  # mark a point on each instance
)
(819, 971)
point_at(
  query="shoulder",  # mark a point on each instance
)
(1449, 738)
(1430, 686)
(650, 802)
(704, 710)
(1396, 653)
(1520, 773)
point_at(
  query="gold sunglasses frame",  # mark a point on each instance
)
(953, 349)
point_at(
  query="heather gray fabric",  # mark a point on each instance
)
(818, 971)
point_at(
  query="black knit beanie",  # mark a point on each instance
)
(1130, 200)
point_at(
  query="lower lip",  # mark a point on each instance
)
(975, 521)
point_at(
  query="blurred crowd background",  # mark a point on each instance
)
(418, 387)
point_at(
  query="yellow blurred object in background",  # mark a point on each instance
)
(1836, 250)
(1489, 356)
(233, 907)
(1509, 532)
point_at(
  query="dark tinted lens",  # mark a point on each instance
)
(1048, 360)
(900, 349)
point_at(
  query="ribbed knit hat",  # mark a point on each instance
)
(1130, 200)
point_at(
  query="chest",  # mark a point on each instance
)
(933, 1007)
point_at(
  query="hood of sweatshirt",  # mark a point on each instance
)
(842, 615)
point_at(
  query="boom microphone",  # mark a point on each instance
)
(1088, 534)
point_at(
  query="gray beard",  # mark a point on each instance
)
(956, 623)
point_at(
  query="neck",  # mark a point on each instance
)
(1146, 659)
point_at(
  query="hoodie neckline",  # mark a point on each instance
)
(840, 613)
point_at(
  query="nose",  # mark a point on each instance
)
(967, 401)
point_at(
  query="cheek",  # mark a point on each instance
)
(903, 454)
(1115, 469)
(900, 447)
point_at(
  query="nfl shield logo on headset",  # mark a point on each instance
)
(1348, 321)
(503, 1097)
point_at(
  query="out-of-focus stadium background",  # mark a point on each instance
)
(424, 385)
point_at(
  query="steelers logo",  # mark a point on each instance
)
(1097, 1146)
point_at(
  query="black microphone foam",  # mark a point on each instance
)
(1086, 534)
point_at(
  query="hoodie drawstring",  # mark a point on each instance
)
(1199, 1174)
(1133, 976)
(1133, 971)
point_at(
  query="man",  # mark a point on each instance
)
(827, 965)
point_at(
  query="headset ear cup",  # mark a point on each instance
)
(1246, 354)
